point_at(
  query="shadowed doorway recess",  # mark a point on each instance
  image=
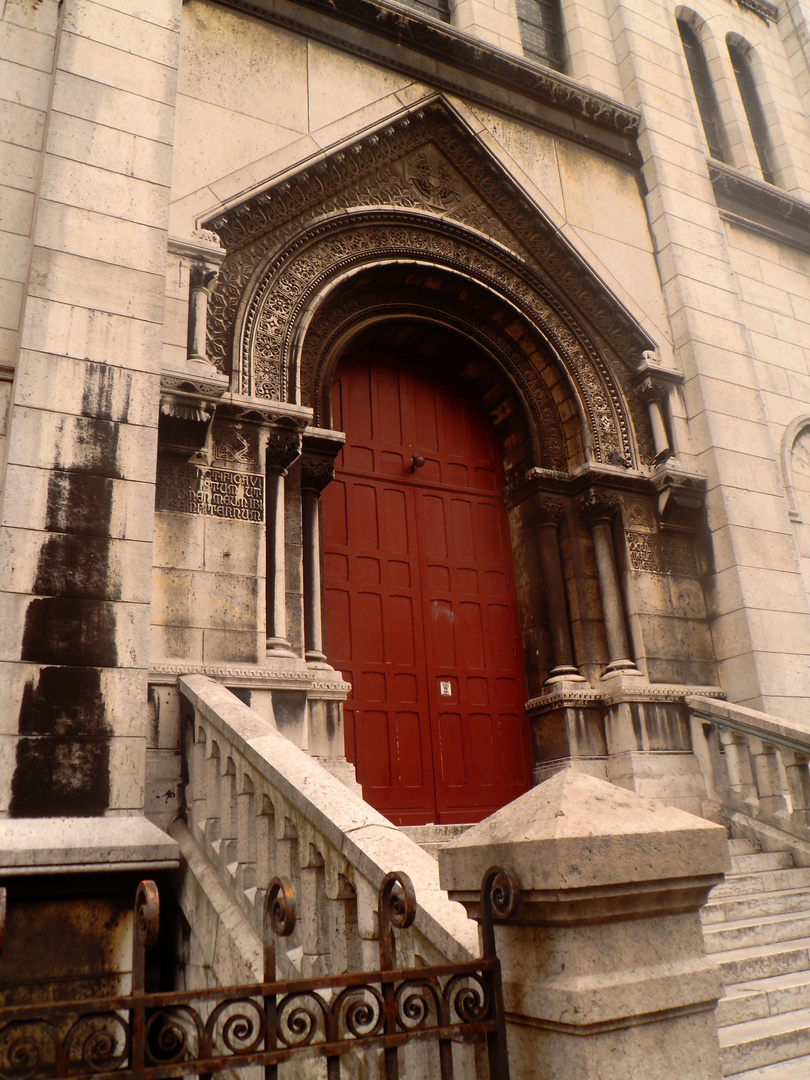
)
(419, 596)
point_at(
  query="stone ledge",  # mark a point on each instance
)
(60, 845)
(318, 682)
(455, 61)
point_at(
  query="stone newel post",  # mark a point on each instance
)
(605, 974)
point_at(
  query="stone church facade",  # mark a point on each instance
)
(591, 223)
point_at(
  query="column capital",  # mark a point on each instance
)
(597, 504)
(316, 472)
(283, 446)
(202, 275)
(548, 512)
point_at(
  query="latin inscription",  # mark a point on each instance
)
(656, 555)
(196, 489)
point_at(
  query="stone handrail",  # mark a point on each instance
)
(258, 806)
(756, 769)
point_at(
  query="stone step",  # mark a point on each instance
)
(763, 860)
(756, 905)
(757, 1043)
(764, 997)
(743, 933)
(769, 881)
(431, 837)
(795, 1069)
(763, 961)
(743, 847)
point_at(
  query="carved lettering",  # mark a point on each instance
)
(656, 554)
(193, 489)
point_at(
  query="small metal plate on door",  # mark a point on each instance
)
(445, 688)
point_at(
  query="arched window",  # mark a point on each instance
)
(704, 91)
(753, 110)
(541, 31)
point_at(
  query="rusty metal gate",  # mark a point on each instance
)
(156, 1036)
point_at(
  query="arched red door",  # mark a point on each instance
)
(419, 597)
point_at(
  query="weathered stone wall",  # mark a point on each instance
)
(78, 506)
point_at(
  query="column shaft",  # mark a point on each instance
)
(313, 627)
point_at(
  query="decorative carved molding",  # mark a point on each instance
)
(283, 446)
(547, 511)
(316, 472)
(247, 675)
(529, 263)
(293, 280)
(768, 12)
(339, 316)
(638, 513)
(598, 505)
(231, 446)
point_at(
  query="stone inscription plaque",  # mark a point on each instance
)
(195, 489)
(656, 555)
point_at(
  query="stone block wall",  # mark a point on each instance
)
(77, 513)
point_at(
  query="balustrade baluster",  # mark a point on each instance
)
(767, 776)
(738, 762)
(718, 761)
(798, 783)
(245, 835)
(228, 816)
(316, 926)
(344, 935)
(211, 783)
(265, 831)
(196, 792)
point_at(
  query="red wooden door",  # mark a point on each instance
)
(419, 598)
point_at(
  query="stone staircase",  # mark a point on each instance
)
(757, 927)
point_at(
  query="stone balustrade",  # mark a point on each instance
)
(756, 769)
(257, 806)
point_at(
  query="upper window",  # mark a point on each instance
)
(704, 91)
(753, 110)
(540, 31)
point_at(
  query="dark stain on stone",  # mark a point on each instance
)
(79, 503)
(62, 757)
(62, 763)
(64, 701)
(67, 630)
(56, 777)
(79, 566)
(95, 447)
(100, 382)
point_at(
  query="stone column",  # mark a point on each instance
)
(604, 969)
(201, 280)
(316, 473)
(598, 508)
(654, 396)
(283, 448)
(548, 515)
(660, 388)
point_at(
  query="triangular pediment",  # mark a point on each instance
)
(424, 189)
(429, 161)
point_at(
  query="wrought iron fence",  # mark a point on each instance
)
(155, 1036)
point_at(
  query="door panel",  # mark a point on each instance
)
(419, 596)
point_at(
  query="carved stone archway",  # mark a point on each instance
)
(424, 191)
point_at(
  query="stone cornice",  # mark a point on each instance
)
(403, 40)
(755, 205)
(567, 695)
(317, 683)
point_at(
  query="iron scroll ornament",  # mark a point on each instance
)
(157, 1036)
